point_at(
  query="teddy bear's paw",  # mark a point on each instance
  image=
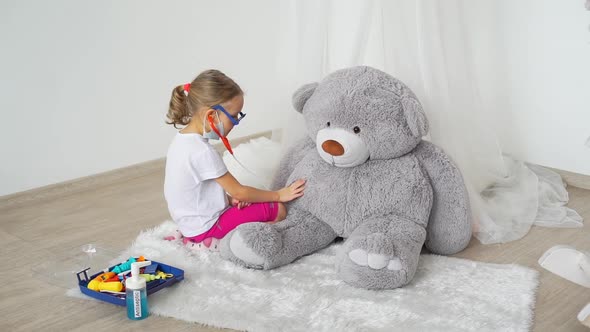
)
(364, 269)
(255, 243)
(375, 251)
(374, 261)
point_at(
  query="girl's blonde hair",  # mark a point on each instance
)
(210, 88)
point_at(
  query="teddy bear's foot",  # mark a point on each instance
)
(375, 257)
(251, 245)
(243, 251)
(373, 261)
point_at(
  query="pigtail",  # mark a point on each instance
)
(178, 112)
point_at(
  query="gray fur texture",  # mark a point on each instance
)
(403, 194)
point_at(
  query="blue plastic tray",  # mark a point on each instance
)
(119, 299)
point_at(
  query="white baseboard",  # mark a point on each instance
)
(74, 186)
(573, 179)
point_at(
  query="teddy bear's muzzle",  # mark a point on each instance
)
(332, 147)
(341, 148)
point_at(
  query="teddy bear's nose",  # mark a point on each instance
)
(332, 147)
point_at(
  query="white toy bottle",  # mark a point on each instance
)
(135, 293)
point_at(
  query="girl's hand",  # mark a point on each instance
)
(240, 204)
(291, 192)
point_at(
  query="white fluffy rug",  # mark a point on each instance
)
(447, 294)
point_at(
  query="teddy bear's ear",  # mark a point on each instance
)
(415, 116)
(302, 94)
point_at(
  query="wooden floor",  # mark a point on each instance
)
(113, 214)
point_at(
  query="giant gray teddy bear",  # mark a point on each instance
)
(371, 180)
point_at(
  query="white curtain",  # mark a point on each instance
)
(448, 52)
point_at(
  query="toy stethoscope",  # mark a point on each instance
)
(223, 138)
(226, 143)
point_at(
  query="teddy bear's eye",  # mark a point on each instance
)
(356, 130)
(328, 124)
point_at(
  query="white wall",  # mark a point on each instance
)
(85, 84)
(547, 49)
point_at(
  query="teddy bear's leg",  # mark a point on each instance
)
(381, 253)
(266, 246)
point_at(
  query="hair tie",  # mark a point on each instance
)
(187, 89)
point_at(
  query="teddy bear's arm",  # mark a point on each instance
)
(290, 159)
(449, 226)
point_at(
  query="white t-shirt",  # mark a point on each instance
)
(195, 199)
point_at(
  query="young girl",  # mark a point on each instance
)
(197, 180)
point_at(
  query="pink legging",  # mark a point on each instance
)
(233, 218)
